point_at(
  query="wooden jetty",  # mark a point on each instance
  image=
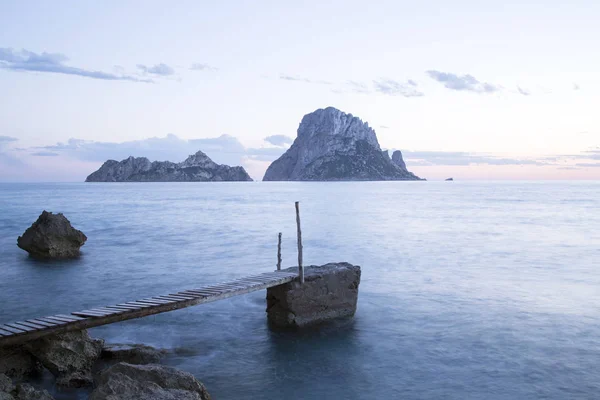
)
(23, 331)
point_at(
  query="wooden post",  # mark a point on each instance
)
(279, 252)
(300, 268)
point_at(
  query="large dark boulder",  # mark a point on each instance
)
(17, 363)
(68, 356)
(52, 236)
(136, 382)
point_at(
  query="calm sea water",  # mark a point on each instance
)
(470, 290)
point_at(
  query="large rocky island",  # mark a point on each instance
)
(334, 146)
(196, 168)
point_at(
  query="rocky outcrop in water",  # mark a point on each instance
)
(196, 168)
(52, 236)
(72, 358)
(398, 160)
(131, 382)
(132, 353)
(18, 363)
(329, 291)
(22, 391)
(25, 391)
(68, 356)
(333, 146)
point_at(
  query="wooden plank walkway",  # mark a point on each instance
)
(23, 331)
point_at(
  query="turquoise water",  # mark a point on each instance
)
(470, 290)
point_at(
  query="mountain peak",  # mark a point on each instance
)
(334, 145)
(199, 159)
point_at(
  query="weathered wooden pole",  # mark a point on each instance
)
(300, 268)
(279, 252)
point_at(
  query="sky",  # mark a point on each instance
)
(466, 89)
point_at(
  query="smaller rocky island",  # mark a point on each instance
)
(196, 168)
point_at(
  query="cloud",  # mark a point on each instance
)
(429, 158)
(25, 60)
(395, 88)
(202, 67)
(588, 165)
(358, 87)
(523, 91)
(305, 80)
(462, 82)
(225, 149)
(5, 140)
(158, 69)
(279, 140)
(576, 86)
(170, 148)
(590, 154)
(593, 154)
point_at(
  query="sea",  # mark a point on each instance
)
(469, 290)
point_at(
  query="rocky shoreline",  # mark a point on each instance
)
(110, 371)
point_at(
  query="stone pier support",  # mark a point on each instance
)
(329, 291)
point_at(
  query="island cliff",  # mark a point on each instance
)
(334, 146)
(196, 168)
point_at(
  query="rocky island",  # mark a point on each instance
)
(196, 168)
(334, 146)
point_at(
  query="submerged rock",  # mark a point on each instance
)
(132, 353)
(196, 168)
(128, 382)
(331, 146)
(18, 363)
(25, 391)
(52, 236)
(68, 356)
(329, 291)
(22, 391)
(6, 384)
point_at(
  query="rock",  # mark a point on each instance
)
(329, 291)
(196, 168)
(52, 236)
(331, 146)
(132, 354)
(128, 382)
(6, 396)
(18, 363)
(397, 159)
(22, 391)
(68, 356)
(6, 384)
(449, 179)
(25, 391)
